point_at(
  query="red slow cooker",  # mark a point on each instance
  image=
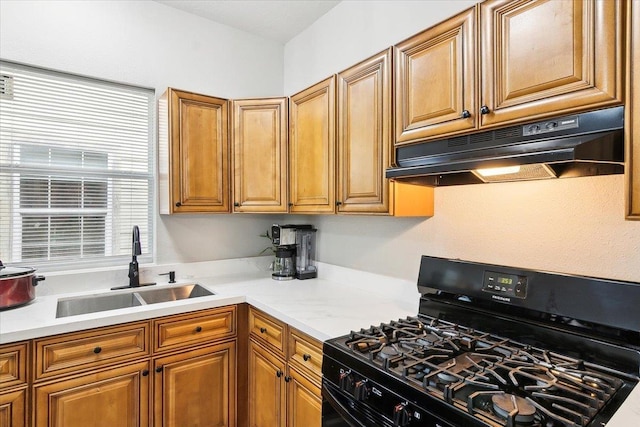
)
(17, 285)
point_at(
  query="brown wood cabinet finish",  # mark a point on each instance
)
(114, 397)
(632, 112)
(81, 351)
(304, 401)
(364, 135)
(267, 391)
(13, 408)
(269, 331)
(193, 153)
(435, 80)
(13, 365)
(179, 331)
(312, 143)
(259, 151)
(283, 390)
(364, 147)
(541, 58)
(196, 387)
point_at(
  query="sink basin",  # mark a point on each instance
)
(154, 296)
(96, 303)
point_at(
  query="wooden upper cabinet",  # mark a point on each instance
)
(632, 119)
(312, 149)
(364, 135)
(435, 75)
(364, 147)
(542, 58)
(259, 150)
(193, 153)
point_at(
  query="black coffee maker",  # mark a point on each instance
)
(295, 251)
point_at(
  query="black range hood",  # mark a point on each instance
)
(584, 144)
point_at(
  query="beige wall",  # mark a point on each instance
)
(573, 225)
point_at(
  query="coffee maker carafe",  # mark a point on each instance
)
(295, 247)
(283, 238)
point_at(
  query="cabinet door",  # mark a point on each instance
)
(196, 388)
(198, 153)
(435, 80)
(541, 57)
(260, 155)
(304, 401)
(13, 408)
(312, 149)
(116, 397)
(632, 118)
(364, 135)
(267, 395)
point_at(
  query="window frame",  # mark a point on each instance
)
(109, 176)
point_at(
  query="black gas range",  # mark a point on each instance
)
(490, 346)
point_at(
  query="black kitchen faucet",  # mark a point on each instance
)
(134, 273)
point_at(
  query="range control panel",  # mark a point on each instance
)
(505, 285)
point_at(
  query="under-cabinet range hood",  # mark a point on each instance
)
(584, 144)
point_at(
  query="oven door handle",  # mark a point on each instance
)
(339, 407)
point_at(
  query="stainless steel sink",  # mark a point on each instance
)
(154, 296)
(96, 303)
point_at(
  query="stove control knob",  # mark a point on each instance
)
(401, 415)
(362, 390)
(346, 381)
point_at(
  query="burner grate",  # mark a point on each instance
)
(504, 382)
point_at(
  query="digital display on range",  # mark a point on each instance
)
(505, 280)
(505, 286)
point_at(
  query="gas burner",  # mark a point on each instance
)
(507, 405)
(386, 352)
(447, 377)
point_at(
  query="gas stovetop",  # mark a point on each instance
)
(491, 346)
(497, 379)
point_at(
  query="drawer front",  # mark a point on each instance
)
(13, 365)
(99, 347)
(305, 352)
(267, 330)
(194, 328)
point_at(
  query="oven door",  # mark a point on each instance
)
(342, 410)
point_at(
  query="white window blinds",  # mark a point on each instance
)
(76, 169)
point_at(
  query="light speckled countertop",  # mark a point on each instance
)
(339, 301)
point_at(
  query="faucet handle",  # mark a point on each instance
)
(171, 274)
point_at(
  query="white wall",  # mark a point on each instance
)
(146, 43)
(573, 225)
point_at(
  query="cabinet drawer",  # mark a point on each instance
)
(267, 330)
(194, 328)
(85, 350)
(13, 365)
(305, 352)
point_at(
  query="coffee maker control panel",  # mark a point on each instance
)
(282, 235)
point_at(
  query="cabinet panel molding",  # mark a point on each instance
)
(259, 152)
(541, 58)
(312, 149)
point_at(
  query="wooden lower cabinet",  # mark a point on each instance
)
(118, 396)
(285, 369)
(14, 386)
(196, 387)
(279, 394)
(13, 408)
(304, 401)
(267, 396)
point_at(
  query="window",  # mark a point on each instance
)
(76, 169)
